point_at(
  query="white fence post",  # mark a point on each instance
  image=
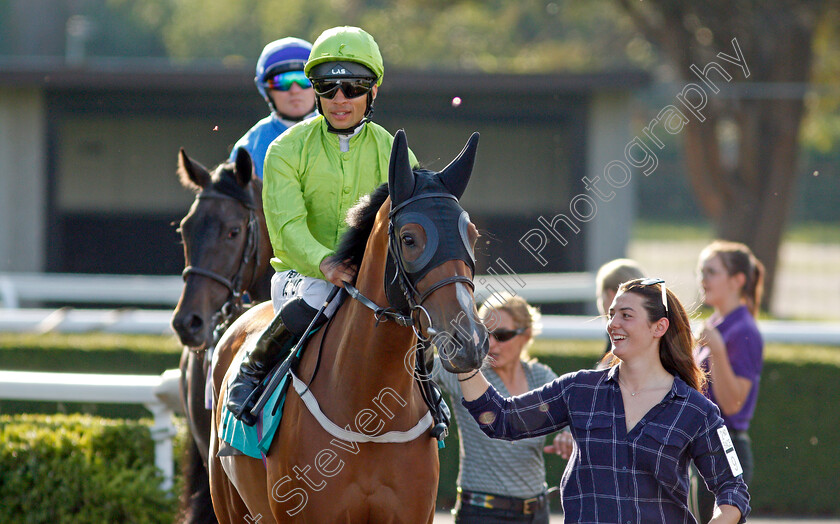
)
(162, 433)
(152, 391)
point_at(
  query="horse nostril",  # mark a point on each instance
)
(188, 324)
(195, 323)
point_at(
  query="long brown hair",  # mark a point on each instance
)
(676, 347)
(737, 258)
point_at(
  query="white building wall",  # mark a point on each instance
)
(23, 176)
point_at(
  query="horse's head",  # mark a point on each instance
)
(431, 255)
(221, 235)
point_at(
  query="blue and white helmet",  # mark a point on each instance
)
(286, 54)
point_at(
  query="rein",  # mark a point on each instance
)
(233, 306)
(435, 416)
(414, 299)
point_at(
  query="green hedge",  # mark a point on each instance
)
(79, 469)
(795, 432)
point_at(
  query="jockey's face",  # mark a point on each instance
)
(296, 102)
(345, 113)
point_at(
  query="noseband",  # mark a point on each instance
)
(233, 306)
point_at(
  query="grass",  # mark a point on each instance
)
(805, 232)
(90, 342)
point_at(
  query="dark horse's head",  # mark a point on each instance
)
(225, 245)
(431, 260)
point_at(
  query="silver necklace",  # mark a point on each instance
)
(652, 388)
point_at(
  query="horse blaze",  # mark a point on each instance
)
(327, 463)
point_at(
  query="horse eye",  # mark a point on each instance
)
(408, 240)
(233, 232)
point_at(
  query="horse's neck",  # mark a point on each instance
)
(260, 290)
(372, 351)
(375, 351)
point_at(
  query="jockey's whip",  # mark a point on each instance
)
(278, 377)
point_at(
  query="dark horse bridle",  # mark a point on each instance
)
(233, 306)
(401, 309)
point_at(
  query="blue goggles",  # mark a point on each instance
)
(284, 81)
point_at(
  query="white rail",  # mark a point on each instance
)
(571, 327)
(158, 393)
(21, 289)
(70, 320)
(147, 290)
(156, 322)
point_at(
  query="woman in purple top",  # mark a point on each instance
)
(731, 280)
(637, 424)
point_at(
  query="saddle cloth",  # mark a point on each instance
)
(255, 440)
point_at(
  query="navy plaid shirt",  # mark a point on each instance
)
(615, 476)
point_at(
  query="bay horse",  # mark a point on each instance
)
(226, 254)
(361, 455)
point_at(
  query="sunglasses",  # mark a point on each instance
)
(352, 88)
(661, 282)
(503, 335)
(284, 81)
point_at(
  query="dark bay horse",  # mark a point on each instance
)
(226, 253)
(365, 457)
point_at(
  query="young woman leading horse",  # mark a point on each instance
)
(414, 246)
(227, 252)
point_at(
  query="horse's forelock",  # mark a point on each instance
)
(225, 181)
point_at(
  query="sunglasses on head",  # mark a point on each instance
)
(284, 81)
(661, 282)
(352, 87)
(503, 335)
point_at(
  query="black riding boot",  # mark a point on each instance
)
(272, 347)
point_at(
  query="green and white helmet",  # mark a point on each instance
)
(347, 45)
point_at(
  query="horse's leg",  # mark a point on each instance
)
(196, 506)
(227, 502)
(198, 414)
(238, 484)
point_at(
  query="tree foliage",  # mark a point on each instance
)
(821, 128)
(742, 161)
(494, 36)
(742, 158)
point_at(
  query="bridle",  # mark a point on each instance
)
(413, 297)
(404, 315)
(233, 306)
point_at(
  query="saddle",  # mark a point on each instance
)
(255, 440)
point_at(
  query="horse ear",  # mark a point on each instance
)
(243, 167)
(400, 175)
(192, 175)
(456, 175)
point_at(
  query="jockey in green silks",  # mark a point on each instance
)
(313, 174)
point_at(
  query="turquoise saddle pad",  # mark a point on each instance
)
(255, 440)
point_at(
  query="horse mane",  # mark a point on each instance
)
(360, 219)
